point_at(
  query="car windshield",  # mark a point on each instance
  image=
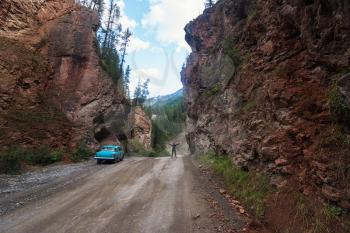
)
(108, 148)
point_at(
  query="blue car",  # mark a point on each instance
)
(110, 153)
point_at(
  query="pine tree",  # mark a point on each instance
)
(141, 93)
(209, 3)
(137, 93)
(127, 81)
(113, 15)
(124, 45)
(145, 91)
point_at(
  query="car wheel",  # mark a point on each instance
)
(98, 161)
(122, 158)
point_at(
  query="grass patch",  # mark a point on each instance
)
(81, 153)
(331, 212)
(338, 106)
(312, 216)
(250, 188)
(335, 137)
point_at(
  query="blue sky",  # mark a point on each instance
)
(158, 49)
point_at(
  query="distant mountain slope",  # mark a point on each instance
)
(168, 118)
(164, 100)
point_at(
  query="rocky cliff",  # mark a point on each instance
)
(267, 83)
(141, 127)
(53, 90)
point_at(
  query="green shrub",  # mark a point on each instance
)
(39, 156)
(338, 106)
(57, 156)
(252, 189)
(213, 90)
(134, 146)
(331, 212)
(154, 153)
(10, 161)
(82, 153)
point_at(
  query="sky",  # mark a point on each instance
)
(157, 48)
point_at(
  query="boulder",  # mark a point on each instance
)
(269, 153)
(281, 162)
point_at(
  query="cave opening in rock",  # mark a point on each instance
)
(102, 134)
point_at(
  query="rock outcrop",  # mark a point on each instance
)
(49, 67)
(261, 86)
(140, 127)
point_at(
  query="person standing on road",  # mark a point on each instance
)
(173, 149)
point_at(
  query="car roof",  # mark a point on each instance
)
(111, 146)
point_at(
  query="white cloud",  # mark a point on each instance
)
(146, 73)
(137, 44)
(160, 84)
(124, 19)
(167, 18)
(142, 75)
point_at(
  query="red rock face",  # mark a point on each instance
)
(141, 127)
(257, 88)
(58, 37)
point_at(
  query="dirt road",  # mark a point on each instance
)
(138, 195)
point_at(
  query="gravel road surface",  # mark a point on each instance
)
(138, 195)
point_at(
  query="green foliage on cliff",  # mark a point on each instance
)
(112, 42)
(209, 3)
(231, 50)
(338, 106)
(110, 64)
(250, 188)
(213, 90)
